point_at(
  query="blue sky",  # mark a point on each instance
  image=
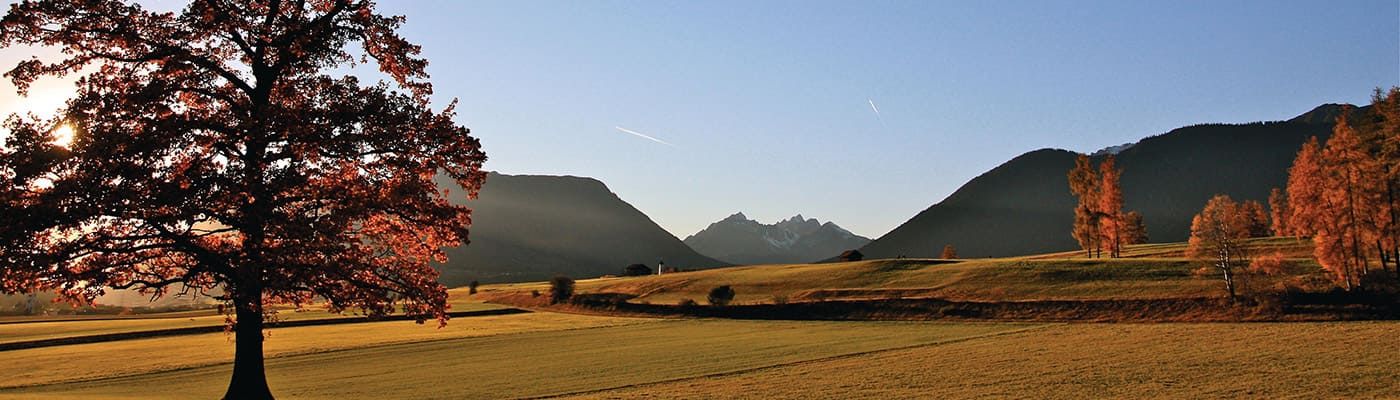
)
(766, 103)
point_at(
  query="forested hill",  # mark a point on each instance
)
(530, 227)
(1024, 206)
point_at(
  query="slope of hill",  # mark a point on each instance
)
(1150, 272)
(527, 227)
(740, 240)
(1024, 206)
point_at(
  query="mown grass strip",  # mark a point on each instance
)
(109, 337)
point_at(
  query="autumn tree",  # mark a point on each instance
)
(1384, 137)
(1305, 184)
(1134, 229)
(949, 252)
(215, 153)
(1257, 217)
(1084, 184)
(1338, 195)
(1110, 207)
(1218, 233)
(1350, 197)
(1278, 212)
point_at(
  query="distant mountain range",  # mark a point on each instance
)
(533, 227)
(1024, 206)
(527, 227)
(740, 240)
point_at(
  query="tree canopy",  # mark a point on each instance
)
(215, 153)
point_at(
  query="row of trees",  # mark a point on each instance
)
(1344, 194)
(1099, 221)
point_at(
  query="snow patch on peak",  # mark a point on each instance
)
(1114, 150)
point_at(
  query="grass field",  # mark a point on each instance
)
(21, 329)
(1075, 361)
(536, 362)
(545, 354)
(96, 360)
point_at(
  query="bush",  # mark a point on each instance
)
(471, 287)
(637, 270)
(561, 288)
(687, 303)
(721, 296)
(1269, 264)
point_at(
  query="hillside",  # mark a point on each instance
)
(1024, 206)
(1150, 271)
(740, 240)
(527, 227)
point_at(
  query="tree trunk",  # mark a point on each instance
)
(1224, 264)
(249, 380)
(1380, 250)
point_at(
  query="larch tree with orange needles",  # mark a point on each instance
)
(1134, 229)
(215, 153)
(949, 252)
(1305, 185)
(1350, 199)
(1278, 212)
(1110, 207)
(1084, 184)
(1385, 143)
(1258, 218)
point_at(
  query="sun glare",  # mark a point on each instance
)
(63, 136)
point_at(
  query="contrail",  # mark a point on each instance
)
(877, 111)
(643, 136)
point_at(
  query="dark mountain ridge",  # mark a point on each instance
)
(1024, 205)
(532, 227)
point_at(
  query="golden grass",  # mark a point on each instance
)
(500, 366)
(20, 330)
(977, 279)
(126, 357)
(1290, 247)
(1143, 361)
(1148, 271)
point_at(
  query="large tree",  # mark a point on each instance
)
(1350, 195)
(214, 152)
(1084, 184)
(1384, 140)
(1110, 207)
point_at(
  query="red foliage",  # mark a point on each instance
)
(1217, 236)
(1110, 207)
(1258, 219)
(1305, 184)
(214, 151)
(1278, 212)
(1084, 183)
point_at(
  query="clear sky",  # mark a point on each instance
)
(765, 106)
